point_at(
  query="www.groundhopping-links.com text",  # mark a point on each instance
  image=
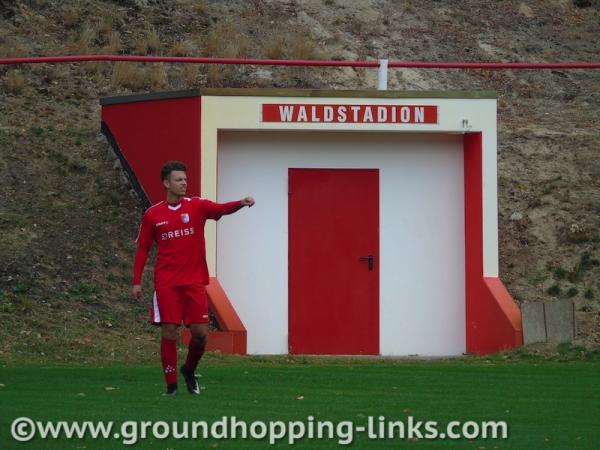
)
(130, 432)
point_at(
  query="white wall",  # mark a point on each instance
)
(455, 115)
(422, 294)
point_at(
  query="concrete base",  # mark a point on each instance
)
(559, 321)
(534, 323)
(552, 321)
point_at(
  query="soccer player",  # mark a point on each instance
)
(180, 272)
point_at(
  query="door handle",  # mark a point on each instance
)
(370, 259)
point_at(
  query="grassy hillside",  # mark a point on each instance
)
(68, 220)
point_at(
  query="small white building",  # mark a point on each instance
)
(375, 224)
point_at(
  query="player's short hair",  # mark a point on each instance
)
(169, 167)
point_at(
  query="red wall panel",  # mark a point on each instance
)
(152, 132)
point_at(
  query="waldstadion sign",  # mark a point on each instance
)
(317, 113)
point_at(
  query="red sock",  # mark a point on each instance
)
(168, 356)
(195, 352)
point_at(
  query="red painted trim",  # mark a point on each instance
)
(509, 312)
(298, 62)
(225, 313)
(477, 65)
(473, 233)
(493, 319)
(187, 59)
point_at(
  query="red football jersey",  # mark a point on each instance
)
(178, 231)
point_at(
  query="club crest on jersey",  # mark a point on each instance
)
(185, 217)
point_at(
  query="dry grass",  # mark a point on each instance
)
(181, 48)
(153, 40)
(296, 46)
(216, 75)
(234, 49)
(218, 37)
(226, 41)
(141, 46)
(85, 39)
(10, 50)
(92, 67)
(191, 73)
(128, 75)
(220, 75)
(105, 26)
(200, 7)
(83, 45)
(149, 43)
(14, 82)
(157, 77)
(253, 10)
(114, 44)
(301, 47)
(71, 15)
(51, 74)
(225, 75)
(276, 48)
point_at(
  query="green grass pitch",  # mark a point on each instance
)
(547, 405)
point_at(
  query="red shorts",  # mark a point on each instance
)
(176, 304)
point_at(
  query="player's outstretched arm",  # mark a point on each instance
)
(216, 210)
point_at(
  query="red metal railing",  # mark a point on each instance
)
(298, 62)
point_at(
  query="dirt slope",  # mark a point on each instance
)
(68, 221)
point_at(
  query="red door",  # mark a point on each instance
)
(334, 261)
